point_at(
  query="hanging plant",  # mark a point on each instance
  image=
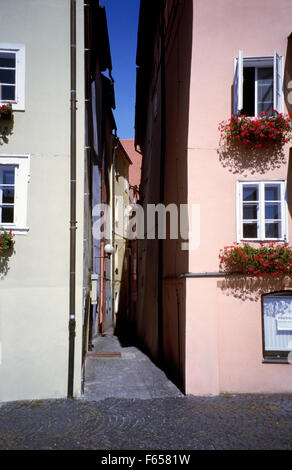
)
(6, 111)
(269, 259)
(6, 240)
(261, 131)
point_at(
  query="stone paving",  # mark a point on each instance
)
(155, 416)
(225, 422)
(133, 375)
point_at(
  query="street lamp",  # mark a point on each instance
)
(109, 250)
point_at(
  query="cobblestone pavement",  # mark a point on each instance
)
(224, 422)
(129, 404)
(132, 375)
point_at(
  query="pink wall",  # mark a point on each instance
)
(223, 333)
(240, 348)
(224, 340)
(202, 366)
(220, 29)
(136, 159)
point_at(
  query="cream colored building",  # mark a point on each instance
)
(120, 259)
(35, 75)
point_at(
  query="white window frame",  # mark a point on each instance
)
(19, 49)
(22, 164)
(276, 61)
(261, 216)
(276, 348)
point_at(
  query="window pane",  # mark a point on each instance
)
(273, 210)
(7, 59)
(248, 91)
(250, 230)
(250, 192)
(265, 74)
(265, 106)
(273, 230)
(7, 92)
(272, 192)
(7, 195)
(265, 89)
(8, 176)
(277, 315)
(250, 211)
(7, 76)
(7, 214)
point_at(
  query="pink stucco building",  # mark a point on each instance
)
(198, 63)
(134, 168)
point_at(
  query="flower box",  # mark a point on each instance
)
(6, 240)
(5, 112)
(262, 131)
(269, 259)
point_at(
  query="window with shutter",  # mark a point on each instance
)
(258, 84)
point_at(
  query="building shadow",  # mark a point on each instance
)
(6, 129)
(161, 125)
(240, 160)
(4, 261)
(249, 288)
(175, 257)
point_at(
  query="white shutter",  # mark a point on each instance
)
(238, 84)
(278, 83)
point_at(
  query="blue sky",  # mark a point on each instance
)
(122, 18)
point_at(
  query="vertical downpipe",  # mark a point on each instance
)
(72, 321)
(162, 185)
(113, 230)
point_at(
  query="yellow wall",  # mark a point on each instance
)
(120, 258)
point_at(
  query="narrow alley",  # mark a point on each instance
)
(117, 369)
(145, 227)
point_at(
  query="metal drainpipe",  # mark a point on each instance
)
(161, 196)
(72, 321)
(113, 230)
(101, 260)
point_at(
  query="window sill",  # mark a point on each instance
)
(251, 240)
(16, 230)
(276, 360)
(15, 106)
